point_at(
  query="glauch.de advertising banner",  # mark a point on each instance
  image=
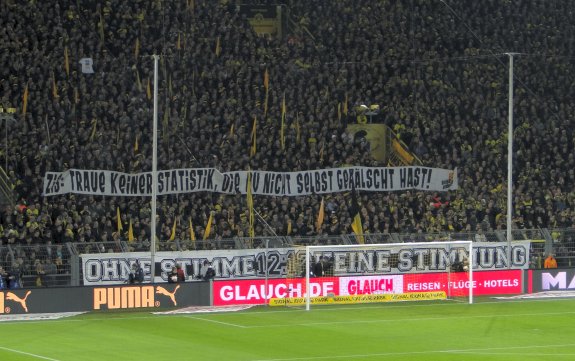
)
(257, 291)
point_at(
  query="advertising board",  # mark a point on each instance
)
(258, 291)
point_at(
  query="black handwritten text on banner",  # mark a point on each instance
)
(174, 181)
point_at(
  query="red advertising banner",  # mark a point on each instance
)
(258, 291)
(370, 285)
(484, 282)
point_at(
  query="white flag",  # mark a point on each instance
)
(87, 65)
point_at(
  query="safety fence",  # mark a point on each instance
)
(47, 265)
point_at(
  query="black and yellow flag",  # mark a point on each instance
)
(282, 130)
(101, 27)
(138, 81)
(94, 128)
(137, 49)
(131, 232)
(253, 149)
(320, 216)
(356, 225)
(66, 61)
(173, 234)
(192, 233)
(266, 80)
(149, 90)
(250, 201)
(25, 101)
(218, 47)
(119, 220)
(136, 145)
(208, 229)
(54, 87)
(297, 130)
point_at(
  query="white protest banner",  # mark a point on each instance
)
(320, 181)
(114, 268)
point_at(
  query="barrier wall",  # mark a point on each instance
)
(551, 280)
(121, 297)
(258, 291)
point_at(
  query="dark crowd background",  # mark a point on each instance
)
(437, 69)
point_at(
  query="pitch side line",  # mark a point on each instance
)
(470, 350)
(409, 319)
(318, 309)
(28, 354)
(218, 322)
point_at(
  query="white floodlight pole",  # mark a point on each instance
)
(510, 161)
(307, 268)
(470, 267)
(154, 173)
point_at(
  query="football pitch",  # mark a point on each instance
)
(447, 330)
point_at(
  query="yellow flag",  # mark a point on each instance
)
(356, 225)
(358, 228)
(297, 130)
(218, 47)
(66, 61)
(173, 234)
(130, 232)
(138, 81)
(232, 130)
(149, 90)
(25, 101)
(250, 201)
(119, 219)
(208, 229)
(282, 130)
(254, 136)
(345, 109)
(101, 27)
(137, 49)
(136, 145)
(94, 126)
(54, 87)
(338, 111)
(320, 216)
(289, 227)
(192, 233)
(266, 104)
(266, 80)
(76, 95)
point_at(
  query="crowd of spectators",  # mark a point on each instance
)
(436, 68)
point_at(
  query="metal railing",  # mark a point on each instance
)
(62, 267)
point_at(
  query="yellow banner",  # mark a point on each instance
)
(353, 299)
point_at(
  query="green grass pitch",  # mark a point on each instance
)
(487, 330)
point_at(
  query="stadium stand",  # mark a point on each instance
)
(437, 69)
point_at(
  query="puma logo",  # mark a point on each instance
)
(161, 290)
(22, 301)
